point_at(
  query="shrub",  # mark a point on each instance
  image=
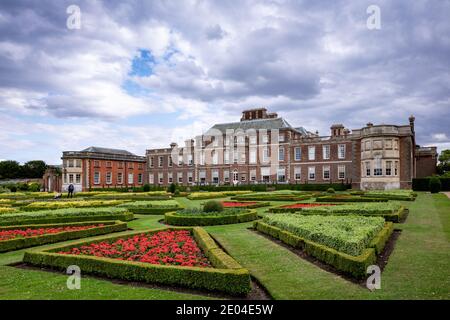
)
(45, 205)
(397, 194)
(7, 210)
(423, 184)
(34, 187)
(435, 185)
(390, 211)
(192, 217)
(13, 188)
(146, 187)
(274, 196)
(22, 186)
(66, 215)
(213, 206)
(172, 188)
(349, 198)
(349, 234)
(151, 207)
(212, 195)
(330, 190)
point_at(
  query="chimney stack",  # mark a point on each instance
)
(411, 122)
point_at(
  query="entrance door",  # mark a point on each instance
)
(235, 177)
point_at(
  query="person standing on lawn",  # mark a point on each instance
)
(70, 189)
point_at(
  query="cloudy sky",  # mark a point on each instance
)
(140, 74)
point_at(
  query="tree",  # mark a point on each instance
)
(9, 169)
(34, 169)
(444, 162)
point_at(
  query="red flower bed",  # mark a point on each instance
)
(305, 205)
(165, 247)
(232, 204)
(16, 233)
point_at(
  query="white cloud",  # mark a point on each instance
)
(314, 63)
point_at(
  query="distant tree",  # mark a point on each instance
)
(34, 169)
(9, 169)
(444, 162)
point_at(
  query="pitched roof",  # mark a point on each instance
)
(257, 124)
(108, 151)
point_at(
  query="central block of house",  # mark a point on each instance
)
(264, 148)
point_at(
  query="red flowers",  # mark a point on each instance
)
(233, 204)
(164, 247)
(305, 205)
(16, 233)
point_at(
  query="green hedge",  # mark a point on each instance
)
(203, 220)
(392, 212)
(252, 205)
(352, 265)
(151, 207)
(392, 217)
(312, 186)
(272, 197)
(66, 215)
(345, 198)
(213, 195)
(20, 243)
(265, 187)
(423, 184)
(133, 197)
(152, 211)
(226, 276)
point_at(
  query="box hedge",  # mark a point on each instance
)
(226, 276)
(272, 197)
(213, 195)
(355, 266)
(350, 198)
(423, 184)
(175, 219)
(251, 204)
(66, 215)
(151, 207)
(20, 243)
(393, 212)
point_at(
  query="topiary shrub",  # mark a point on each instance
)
(213, 206)
(34, 187)
(435, 185)
(146, 187)
(330, 190)
(22, 186)
(172, 188)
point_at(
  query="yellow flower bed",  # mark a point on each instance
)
(45, 205)
(7, 210)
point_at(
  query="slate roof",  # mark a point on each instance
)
(108, 151)
(103, 153)
(257, 124)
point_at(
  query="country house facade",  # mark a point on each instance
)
(261, 148)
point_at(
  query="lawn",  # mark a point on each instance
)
(418, 268)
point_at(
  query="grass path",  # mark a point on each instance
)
(417, 269)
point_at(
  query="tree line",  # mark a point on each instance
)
(10, 169)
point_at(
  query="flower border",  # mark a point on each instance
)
(227, 275)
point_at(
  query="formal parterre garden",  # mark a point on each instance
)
(229, 244)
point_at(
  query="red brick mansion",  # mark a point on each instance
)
(263, 148)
